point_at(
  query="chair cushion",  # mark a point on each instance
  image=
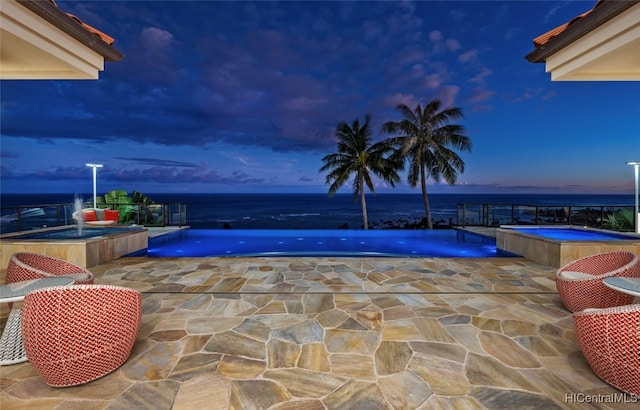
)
(575, 275)
(110, 215)
(593, 310)
(89, 216)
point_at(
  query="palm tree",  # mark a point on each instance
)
(427, 139)
(357, 156)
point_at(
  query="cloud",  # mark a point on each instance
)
(266, 80)
(480, 108)
(303, 103)
(480, 94)
(452, 44)
(435, 36)
(188, 174)
(447, 95)
(8, 154)
(155, 39)
(394, 100)
(372, 30)
(434, 81)
(532, 93)
(159, 161)
(482, 75)
(440, 44)
(468, 56)
(171, 175)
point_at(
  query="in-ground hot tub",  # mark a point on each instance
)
(94, 246)
(558, 245)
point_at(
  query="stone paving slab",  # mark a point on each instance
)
(336, 333)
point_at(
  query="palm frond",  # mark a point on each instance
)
(426, 138)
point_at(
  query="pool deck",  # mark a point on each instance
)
(336, 333)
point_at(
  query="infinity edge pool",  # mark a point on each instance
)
(339, 243)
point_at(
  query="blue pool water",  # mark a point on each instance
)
(569, 234)
(214, 242)
(71, 233)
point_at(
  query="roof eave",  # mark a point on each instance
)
(585, 25)
(51, 13)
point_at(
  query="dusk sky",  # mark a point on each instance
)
(245, 97)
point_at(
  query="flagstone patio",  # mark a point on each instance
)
(336, 333)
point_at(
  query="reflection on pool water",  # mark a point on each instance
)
(213, 242)
(573, 234)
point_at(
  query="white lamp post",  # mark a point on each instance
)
(95, 167)
(636, 165)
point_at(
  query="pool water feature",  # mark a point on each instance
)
(557, 246)
(417, 243)
(96, 245)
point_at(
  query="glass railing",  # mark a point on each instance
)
(25, 218)
(616, 218)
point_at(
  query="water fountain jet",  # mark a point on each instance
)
(77, 208)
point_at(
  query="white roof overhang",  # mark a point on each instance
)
(32, 47)
(610, 52)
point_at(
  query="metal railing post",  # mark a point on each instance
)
(569, 216)
(464, 215)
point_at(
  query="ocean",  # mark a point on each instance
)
(319, 211)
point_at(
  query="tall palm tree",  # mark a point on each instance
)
(427, 139)
(357, 156)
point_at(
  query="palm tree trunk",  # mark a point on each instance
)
(425, 199)
(364, 204)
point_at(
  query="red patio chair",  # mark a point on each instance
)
(610, 341)
(26, 266)
(580, 284)
(75, 334)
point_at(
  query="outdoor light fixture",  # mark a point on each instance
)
(636, 165)
(95, 167)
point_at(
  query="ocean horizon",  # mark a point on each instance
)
(319, 211)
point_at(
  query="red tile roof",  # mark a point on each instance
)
(104, 37)
(76, 28)
(553, 40)
(542, 39)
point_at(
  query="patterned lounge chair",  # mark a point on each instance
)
(610, 341)
(26, 266)
(580, 282)
(76, 334)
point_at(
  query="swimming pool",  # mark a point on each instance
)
(574, 234)
(213, 242)
(557, 246)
